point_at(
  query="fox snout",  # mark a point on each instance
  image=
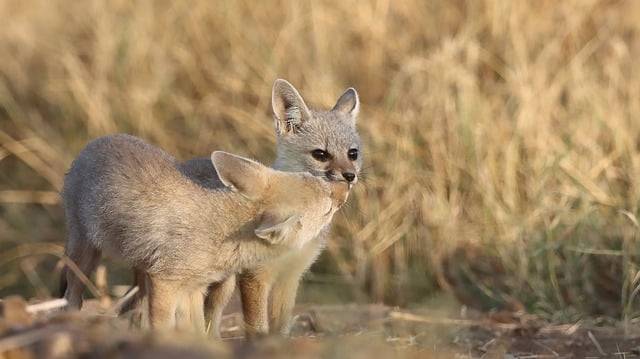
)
(347, 175)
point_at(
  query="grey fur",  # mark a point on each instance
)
(297, 136)
(179, 223)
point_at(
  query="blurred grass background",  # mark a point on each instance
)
(502, 138)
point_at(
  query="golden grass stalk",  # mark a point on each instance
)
(501, 138)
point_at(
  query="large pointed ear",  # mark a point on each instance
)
(240, 174)
(289, 109)
(348, 103)
(276, 232)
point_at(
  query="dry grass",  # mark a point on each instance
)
(502, 138)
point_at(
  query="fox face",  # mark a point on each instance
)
(294, 206)
(308, 200)
(323, 143)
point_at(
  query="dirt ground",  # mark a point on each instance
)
(344, 331)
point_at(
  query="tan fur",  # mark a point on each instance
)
(269, 290)
(216, 300)
(129, 199)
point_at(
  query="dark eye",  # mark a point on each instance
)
(321, 155)
(353, 154)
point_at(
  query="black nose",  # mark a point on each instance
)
(349, 176)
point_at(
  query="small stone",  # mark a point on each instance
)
(13, 311)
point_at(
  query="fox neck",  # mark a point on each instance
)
(254, 253)
(229, 217)
(224, 212)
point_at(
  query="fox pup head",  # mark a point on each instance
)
(324, 143)
(292, 206)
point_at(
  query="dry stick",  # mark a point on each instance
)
(555, 354)
(27, 250)
(31, 159)
(124, 300)
(563, 328)
(102, 285)
(83, 278)
(619, 353)
(595, 342)
(46, 306)
(447, 321)
(26, 266)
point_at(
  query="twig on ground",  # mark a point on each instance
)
(28, 266)
(595, 342)
(27, 250)
(547, 348)
(46, 306)
(448, 321)
(124, 300)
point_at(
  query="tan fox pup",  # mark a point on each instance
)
(131, 200)
(323, 143)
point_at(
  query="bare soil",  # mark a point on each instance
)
(344, 331)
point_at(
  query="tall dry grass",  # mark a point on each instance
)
(502, 137)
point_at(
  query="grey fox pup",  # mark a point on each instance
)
(131, 200)
(323, 143)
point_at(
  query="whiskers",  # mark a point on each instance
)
(364, 175)
(350, 206)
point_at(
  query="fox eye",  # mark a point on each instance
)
(353, 154)
(321, 155)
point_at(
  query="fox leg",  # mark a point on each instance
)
(282, 300)
(163, 299)
(197, 311)
(215, 302)
(189, 314)
(86, 257)
(254, 291)
(285, 288)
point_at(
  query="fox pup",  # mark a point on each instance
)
(131, 200)
(323, 143)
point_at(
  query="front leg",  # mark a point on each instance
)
(281, 304)
(162, 303)
(196, 311)
(254, 290)
(217, 298)
(285, 288)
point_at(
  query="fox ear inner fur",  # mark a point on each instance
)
(276, 233)
(240, 174)
(348, 103)
(289, 109)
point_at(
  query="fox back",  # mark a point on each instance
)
(132, 200)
